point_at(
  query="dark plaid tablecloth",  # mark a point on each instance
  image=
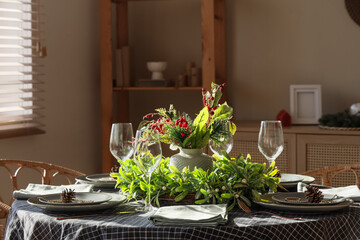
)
(29, 222)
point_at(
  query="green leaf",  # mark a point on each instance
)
(198, 194)
(180, 189)
(201, 201)
(255, 195)
(171, 175)
(174, 169)
(239, 185)
(202, 117)
(203, 191)
(143, 186)
(246, 200)
(123, 175)
(231, 206)
(181, 196)
(157, 199)
(227, 195)
(232, 128)
(224, 111)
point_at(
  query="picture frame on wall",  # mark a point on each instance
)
(305, 103)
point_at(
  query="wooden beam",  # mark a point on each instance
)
(106, 92)
(122, 26)
(213, 14)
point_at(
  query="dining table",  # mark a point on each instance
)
(27, 221)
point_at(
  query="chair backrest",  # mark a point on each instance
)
(328, 174)
(47, 172)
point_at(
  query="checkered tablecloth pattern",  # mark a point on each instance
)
(29, 222)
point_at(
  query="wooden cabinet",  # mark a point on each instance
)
(306, 148)
(213, 62)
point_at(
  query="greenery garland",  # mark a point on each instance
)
(233, 181)
(341, 119)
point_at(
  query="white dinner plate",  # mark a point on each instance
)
(77, 208)
(271, 204)
(98, 184)
(290, 178)
(299, 198)
(291, 184)
(81, 198)
(101, 177)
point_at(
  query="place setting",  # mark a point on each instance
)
(71, 201)
(312, 201)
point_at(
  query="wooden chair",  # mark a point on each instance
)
(48, 172)
(328, 174)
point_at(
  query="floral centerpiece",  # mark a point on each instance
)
(213, 123)
(180, 131)
(235, 181)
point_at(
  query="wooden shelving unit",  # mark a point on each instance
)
(213, 62)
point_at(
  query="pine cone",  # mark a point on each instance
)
(313, 194)
(68, 195)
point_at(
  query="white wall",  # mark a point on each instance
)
(272, 44)
(71, 91)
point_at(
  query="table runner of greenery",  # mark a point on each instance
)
(234, 180)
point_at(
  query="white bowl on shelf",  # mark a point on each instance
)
(157, 68)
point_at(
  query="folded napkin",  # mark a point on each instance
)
(352, 191)
(34, 190)
(191, 215)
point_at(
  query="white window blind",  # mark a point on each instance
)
(20, 69)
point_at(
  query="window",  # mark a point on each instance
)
(20, 52)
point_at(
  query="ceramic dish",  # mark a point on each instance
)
(102, 177)
(287, 184)
(81, 198)
(98, 184)
(299, 198)
(76, 208)
(290, 178)
(271, 204)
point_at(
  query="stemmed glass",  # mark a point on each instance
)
(225, 143)
(147, 156)
(271, 139)
(121, 139)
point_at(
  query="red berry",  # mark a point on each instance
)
(183, 134)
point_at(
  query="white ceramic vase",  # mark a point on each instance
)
(191, 158)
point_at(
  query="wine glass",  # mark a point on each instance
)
(121, 146)
(271, 139)
(147, 156)
(225, 143)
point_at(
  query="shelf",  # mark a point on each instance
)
(213, 64)
(116, 89)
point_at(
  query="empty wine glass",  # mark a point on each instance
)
(121, 138)
(271, 139)
(225, 143)
(147, 156)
